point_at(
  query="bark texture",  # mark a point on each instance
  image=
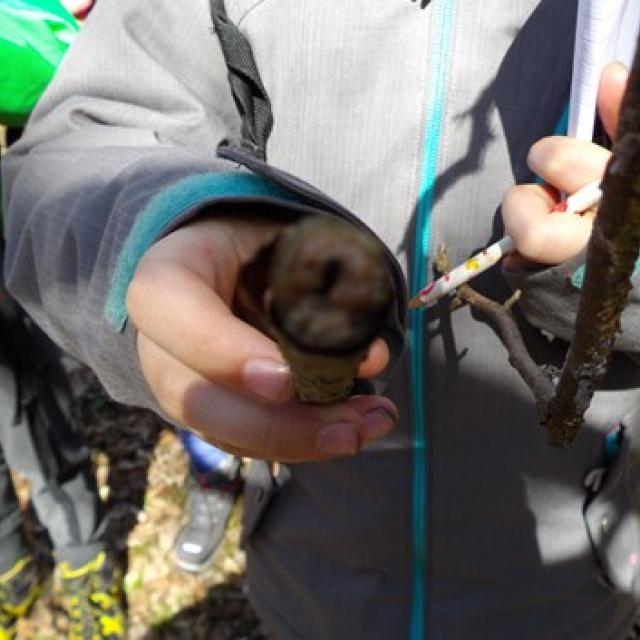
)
(330, 292)
(611, 256)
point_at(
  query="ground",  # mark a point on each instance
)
(142, 470)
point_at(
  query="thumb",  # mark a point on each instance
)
(613, 83)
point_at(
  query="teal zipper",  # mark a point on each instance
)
(440, 51)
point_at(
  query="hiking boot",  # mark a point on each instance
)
(92, 598)
(211, 500)
(19, 588)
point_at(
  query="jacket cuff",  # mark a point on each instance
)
(170, 208)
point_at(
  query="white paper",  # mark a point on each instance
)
(606, 30)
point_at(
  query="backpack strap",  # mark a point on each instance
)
(247, 89)
(43, 397)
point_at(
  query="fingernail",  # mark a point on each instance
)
(377, 423)
(338, 439)
(268, 378)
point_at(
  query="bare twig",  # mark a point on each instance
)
(500, 314)
(508, 304)
(519, 358)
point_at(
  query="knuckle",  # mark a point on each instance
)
(148, 280)
(530, 243)
(508, 199)
(140, 289)
(535, 153)
(547, 155)
(270, 441)
(169, 393)
(514, 214)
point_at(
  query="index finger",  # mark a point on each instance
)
(566, 163)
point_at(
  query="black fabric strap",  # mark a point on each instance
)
(42, 393)
(247, 89)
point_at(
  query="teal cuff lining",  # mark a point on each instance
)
(577, 279)
(562, 126)
(166, 207)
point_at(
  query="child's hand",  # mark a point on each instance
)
(541, 236)
(215, 374)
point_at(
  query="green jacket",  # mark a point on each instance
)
(34, 35)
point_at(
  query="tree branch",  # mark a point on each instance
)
(500, 314)
(611, 256)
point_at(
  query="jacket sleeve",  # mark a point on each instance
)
(120, 149)
(550, 300)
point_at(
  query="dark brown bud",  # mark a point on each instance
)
(330, 292)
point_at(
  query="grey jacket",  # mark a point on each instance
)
(463, 523)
